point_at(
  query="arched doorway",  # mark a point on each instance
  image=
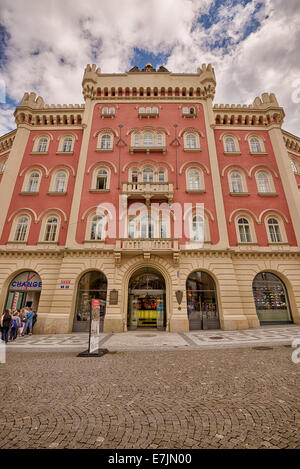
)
(202, 303)
(24, 290)
(271, 299)
(92, 285)
(146, 300)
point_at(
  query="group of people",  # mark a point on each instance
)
(17, 323)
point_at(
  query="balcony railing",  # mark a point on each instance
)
(147, 149)
(148, 190)
(147, 245)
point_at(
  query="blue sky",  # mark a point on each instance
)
(44, 46)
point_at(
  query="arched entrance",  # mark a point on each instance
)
(24, 290)
(92, 285)
(146, 300)
(202, 303)
(271, 299)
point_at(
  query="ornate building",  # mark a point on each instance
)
(69, 172)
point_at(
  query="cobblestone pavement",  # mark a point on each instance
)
(229, 398)
(153, 339)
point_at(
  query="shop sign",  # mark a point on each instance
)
(94, 326)
(65, 283)
(26, 281)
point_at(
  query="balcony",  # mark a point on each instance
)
(147, 247)
(148, 190)
(147, 149)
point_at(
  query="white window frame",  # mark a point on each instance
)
(281, 226)
(190, 185)
(95, 178)
(14, 227)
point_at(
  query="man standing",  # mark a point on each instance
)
(28, 325)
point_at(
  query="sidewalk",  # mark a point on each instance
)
(155, 340)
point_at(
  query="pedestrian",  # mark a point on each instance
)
(5, 324)
(34, 319)
(28, 324)
(22, 321)
(14, 326)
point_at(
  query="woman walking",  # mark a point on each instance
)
(5, 324)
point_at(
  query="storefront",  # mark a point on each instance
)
(24, 290)
(271, 299)
(146, 300)
(202, 304)
(92, 285)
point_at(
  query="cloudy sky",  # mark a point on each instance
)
(252, 44)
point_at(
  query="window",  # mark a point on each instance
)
(161, 175)
(274, 230)
(67, 144)
(188, 112)
(112, 111)
(236, 182)
(194, 180)
(105, 142)
(108, 112)
(148, 139)
(148, 175)
(255, 145)
(230, 146)
(147, 228)
(51, 229)
(155, 110)
(137, 140)
(134, 175)
(191, 141)
(102, 176)
(197, 228)
(21, 229)
(131, 228)
(33, 182)
(159, 140)
(42, 145)
(2, 166)
(294, 166)
(60, 182)
(244, 230)
(164, 227)
(263, 182)
(96, 228)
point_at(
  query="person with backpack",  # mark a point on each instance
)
(5, 324)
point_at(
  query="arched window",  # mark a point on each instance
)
(147, 227)
(60, 182)
(51, 229)
(190, 141)
(244, 230)
(230, 146)
(294, 166)
(263, 182)
(148, 110)
(134, 175)
(132, 228)
(42, 145)
(112, 111)
(236, 182)
(274, 230)
(148, 175)
(96, 228)
(141, 110)
(148, 139)
(105, 111)
(67, 144)
(33, 182)
(159, 140)
(101, 182)
(164, 227)
(155, 110)
(106, 142)
(137, 140)
(21, 229)
(194, 180)
(255, 145)
(161, 175)
(198, 228)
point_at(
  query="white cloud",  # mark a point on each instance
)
(51, 42)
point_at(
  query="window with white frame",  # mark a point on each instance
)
(255, 145)
(132, 228)
(3, 165)
(67, 144)
(263, 182)
(33, 182)
(51, 229)
(230, 145)
(148, 139)
(159, 140)
(60, 182)
(294, 166)
(97, 228)
(190, 141)
(108, 111)
(134, 175)
(147, 227)
(42, 145)
(198, 228)
(236, 182)
(194, 179)
(274, 230)
(188, 111)
(244, 230)
(105, 142)
(102, 179)
(22, 228)
(161, 176)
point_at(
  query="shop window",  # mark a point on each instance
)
(202, 303)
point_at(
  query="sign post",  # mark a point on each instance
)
(94, 332)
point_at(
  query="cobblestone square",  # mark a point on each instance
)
(216, 398)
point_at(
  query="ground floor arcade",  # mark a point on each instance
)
(200, 290)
